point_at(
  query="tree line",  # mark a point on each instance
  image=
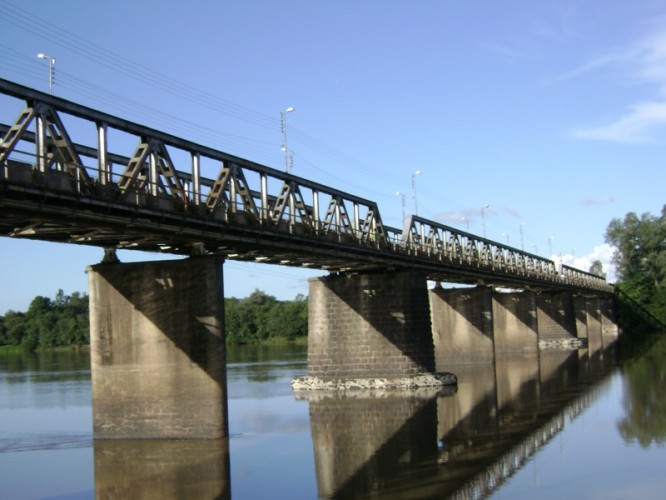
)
(63, 321)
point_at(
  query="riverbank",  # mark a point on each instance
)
(271, 341)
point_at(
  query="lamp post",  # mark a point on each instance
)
(52, 61)
(288, 156)
(550, 247)
(483, 218)
(418, 172)
(402, 196)
(522, 240)
(466, 221)
(507, 237)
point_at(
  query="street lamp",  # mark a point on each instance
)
(288, 155)
(41, 55)
(402, 196)
(466, 221)
(507, 237)
(418, 172)
(550, 247)
(522, 240)
(483, 218)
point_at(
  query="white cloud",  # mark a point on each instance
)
(603, 253)
(638, 125)
(643, 63)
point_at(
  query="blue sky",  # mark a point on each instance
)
(552, 113)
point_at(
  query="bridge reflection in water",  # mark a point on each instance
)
(415, 444)
(459, 445)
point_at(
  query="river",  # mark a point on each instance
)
(566, 424)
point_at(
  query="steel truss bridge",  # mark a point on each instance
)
(71, 174)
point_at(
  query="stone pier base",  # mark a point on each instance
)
(370, 330)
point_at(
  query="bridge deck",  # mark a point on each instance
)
(56, 188)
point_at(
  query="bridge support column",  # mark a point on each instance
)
(580, 313)
(609, 330)
(158, 349)
(515, 323)
(369, 330)
(594, 342)
(462, 325)
(556, 318)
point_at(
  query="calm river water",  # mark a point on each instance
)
(563, 425)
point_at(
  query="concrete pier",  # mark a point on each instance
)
(556, 317)
(158, 349)
(462, 324)
(609, 330)
(515, 323)
(581, 312)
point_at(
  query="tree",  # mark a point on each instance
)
(640, 257)
(261, 316)
(597, 268)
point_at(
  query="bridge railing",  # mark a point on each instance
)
(176, 173)
(87, 153)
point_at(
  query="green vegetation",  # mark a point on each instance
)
(63, 321)
(48, 323)
(640, 294)
(640, 257)
(261, 317)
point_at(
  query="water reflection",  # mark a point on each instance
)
(644, 399)
(156, 468)
(462, 445)
(459, 445)
(363, 438)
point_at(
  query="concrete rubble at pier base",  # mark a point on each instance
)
(441, 379)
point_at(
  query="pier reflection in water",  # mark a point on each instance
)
(462, 444)
(158, 468)
(417, 445)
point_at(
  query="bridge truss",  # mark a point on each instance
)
(72, 174)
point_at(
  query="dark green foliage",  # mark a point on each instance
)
(63, 321)
(48, 323)
(640, 257)
(262, 317)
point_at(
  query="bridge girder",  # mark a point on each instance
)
(68, 192)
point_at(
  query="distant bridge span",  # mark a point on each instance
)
(72, 174)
